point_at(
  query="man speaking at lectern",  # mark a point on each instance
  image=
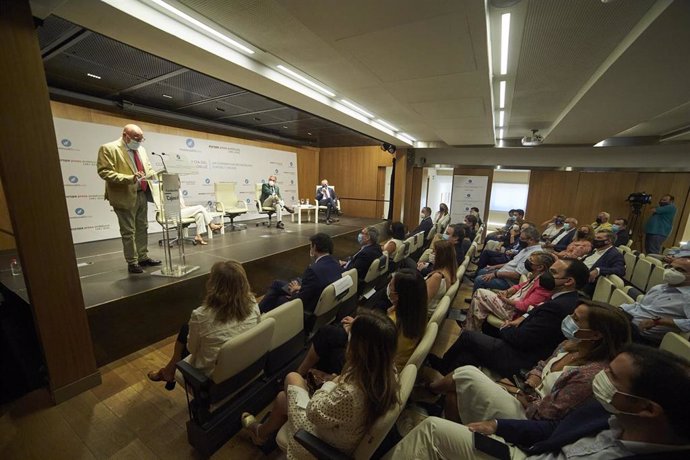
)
(123, 165)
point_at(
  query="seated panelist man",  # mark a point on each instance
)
(326, 196)
(270, 197)
(322, 271)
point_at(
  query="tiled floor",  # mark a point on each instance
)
(126, 417)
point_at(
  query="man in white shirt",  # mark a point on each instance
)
(604, 260)
(509, 274)
(665, 307)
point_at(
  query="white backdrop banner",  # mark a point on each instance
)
(92, 218)
(468, 191)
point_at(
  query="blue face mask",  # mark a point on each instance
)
(569, 327)
(566, 226)
(360, 239)
(445, 236)
(615, 228)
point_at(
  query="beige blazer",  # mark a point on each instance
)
(116, 168)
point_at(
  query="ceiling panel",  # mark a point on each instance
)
(664, 123)
(454, 108)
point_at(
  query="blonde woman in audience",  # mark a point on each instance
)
(595, 334)
(443, 275)
(517, 299)
(408, 295)
(229, 309)
(342, 410)
(581, 244)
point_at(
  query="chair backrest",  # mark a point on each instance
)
(409, 246)
(431, 234)
(657, 277)
(453, 289)
(425, 255)
(630, 261)
(441, 311)
(424, 346)
(241, 360)
(383, 425)
(623, 249)
(603, 290)
(352, 290)
(676, 344)
(378, 267)
(418, 241)
(259, 205)
(327, 306)
(617, 281)
(472, 250)
(226, 194)
(444, 222)
(492, 245)
(654, 261)
(619, 298)
(629, 243)
(288, 337)
(400, 252)
(640, 276)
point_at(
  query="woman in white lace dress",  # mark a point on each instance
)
(344, 409)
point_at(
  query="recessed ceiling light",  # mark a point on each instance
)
(308, 134)
(505, 36)
(498, 166)
(502, 95)
(306, 80)
(203, 26)
(97, 77)
(284, 127)
(387, 125)
(357, 108)
(167, 96)
(568, 168)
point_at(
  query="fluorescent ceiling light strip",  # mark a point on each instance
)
(386, 124)
(403, 137)
(202, 26)
(408, 136)
(502, 94)
(500, 133)
(501, 118)
(357, 108)
(505, 36)
(306, 80)
(352, 113)
(380, 127)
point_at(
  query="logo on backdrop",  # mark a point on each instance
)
(79, 211)
(246, 181)
(184, 192)
(248, 201)
(190, 143)
(292, 182)
(469, 181)
(73, 179)
(276, 171)
(291, 164)
(178, 156)
(293, 198)
(469, 195)
(209, 203)
(207, 180)
(66, 142)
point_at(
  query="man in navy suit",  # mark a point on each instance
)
(326, 197)
(368, 239)
(324, 270)
(425, 224)
(604, 260)
(640, 412)
(521, 343)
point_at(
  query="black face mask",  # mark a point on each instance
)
(581, 235)
(664, 203)
(599, 243)
(546, 280)
(522, 244)
(528, 265)
(598, 220)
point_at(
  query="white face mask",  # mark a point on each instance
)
(604, 390)
(673, 276)
(271, 183)
(133, 145)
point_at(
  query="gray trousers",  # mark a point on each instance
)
(134, 230)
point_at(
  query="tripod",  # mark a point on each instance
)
(635, 223)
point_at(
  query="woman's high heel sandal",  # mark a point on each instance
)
(251, 428)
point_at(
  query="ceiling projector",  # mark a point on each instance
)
(533, 140)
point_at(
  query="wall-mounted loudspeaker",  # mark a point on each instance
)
(390, 148)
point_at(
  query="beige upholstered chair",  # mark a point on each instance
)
(228, 204)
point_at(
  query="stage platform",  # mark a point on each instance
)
(129, 312)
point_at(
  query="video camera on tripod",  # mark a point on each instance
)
(639, 199)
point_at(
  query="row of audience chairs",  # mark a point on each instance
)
(382, 427)
(250, 366)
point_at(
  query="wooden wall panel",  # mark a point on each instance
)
(307, 172)
(543, 202)
(402, 190)
(33, 187)
(414, 197)
(353, 171)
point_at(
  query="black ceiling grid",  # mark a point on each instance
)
(130, 75)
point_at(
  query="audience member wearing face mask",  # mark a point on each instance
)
(581, 244)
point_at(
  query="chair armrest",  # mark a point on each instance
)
(192, 376)
(220, 207)
(318, 448)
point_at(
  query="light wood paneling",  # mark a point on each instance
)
(353, 171)
(307, 172)
(583, 194)
(31, 178)
(413, 197)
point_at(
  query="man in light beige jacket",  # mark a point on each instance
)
(124, 166)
